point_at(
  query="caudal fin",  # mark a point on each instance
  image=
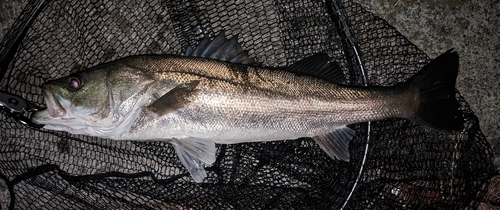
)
(438, 107)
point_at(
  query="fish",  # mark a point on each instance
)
(217, 94)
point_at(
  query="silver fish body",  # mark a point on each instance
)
(197, 102)
(236, 103)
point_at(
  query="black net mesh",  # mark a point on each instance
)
(408, 166)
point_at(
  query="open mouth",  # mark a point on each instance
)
(54, 107)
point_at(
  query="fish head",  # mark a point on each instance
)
(75, 99)
(99, 102)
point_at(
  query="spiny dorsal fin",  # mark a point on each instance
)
(318, 66)
(176, 98)
(221, 49)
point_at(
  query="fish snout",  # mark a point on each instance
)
(53, 106)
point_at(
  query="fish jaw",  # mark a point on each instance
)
(58, 110)
(54, 108)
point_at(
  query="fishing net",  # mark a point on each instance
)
(406, 165)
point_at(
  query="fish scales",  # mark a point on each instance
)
(270, 104)
(215, 94)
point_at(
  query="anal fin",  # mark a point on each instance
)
(192, 152)
(336, 143)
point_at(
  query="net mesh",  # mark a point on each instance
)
(408, 165)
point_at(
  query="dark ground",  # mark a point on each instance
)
(471, 27)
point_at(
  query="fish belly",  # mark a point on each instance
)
(228, 118)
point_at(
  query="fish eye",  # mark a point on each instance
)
(74, 83)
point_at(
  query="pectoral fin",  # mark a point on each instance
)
(174, 99)
(192, 152)
(336, 143)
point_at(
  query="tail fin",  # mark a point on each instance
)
(438, 107)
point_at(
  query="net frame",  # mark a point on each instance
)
(355, 38)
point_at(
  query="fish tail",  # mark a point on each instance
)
(435, 85)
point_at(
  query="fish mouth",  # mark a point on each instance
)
(53, 106)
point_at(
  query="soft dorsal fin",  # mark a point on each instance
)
(221, 49)
(318, 66)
